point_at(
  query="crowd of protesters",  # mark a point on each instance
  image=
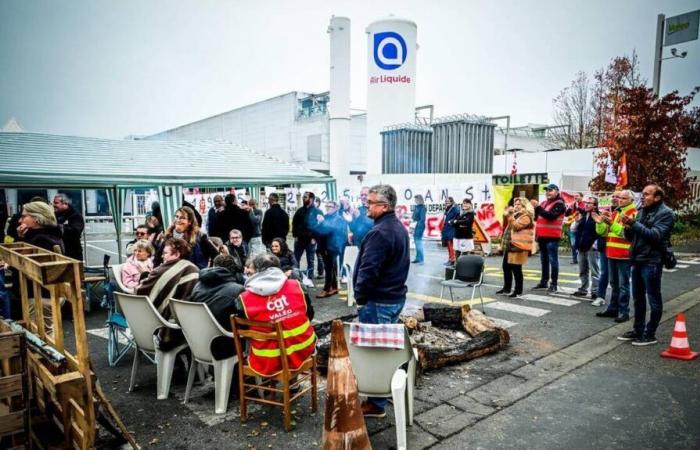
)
(623, 247)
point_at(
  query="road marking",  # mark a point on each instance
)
(682, 261)
(500, 275)
(430, 299)
(532, 271)
(434, 277)
(502, 323)
(682, 266)
(551, 300)
(527, 310)
(670, 270)
(102, 249)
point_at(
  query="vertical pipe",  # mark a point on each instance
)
(658, 52)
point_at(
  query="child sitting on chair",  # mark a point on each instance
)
(139, 263)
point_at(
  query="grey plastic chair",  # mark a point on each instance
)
(468, 273)
(388, 373)
(200, 329)
(144, 321)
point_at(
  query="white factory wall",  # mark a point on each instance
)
(264, 127)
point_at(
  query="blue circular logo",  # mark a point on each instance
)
(389, 50)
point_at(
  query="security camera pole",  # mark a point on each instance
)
(678, 29)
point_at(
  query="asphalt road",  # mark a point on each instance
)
(563, 382)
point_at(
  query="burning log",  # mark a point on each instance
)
(434, 356)
(344, 425)
(475, 322)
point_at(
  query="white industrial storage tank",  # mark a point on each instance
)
(339, 109)
(391, 81)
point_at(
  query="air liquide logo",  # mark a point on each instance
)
(389, 50)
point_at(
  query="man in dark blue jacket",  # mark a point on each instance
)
(650, 235)
(585, 244)
(381, 271)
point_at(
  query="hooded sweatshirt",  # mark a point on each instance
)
(270, 282)
(218, 288)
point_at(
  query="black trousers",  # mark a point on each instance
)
(511, 271)
(330, 263)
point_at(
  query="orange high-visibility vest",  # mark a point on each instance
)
(550, 228)
(522, 238)
(618, 247)
(288, 307)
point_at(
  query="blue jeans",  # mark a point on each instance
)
(619, 274)
(4, 296)
(299, 248)
(549, 256)
(572, 239)
(603, 276)
(378, 313)
(646, 285)
(420, 256)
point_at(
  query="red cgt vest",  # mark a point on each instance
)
(288, 307)
(549, 228)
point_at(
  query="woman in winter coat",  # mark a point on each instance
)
(185, 227)
(288, 263)
(38, 226)
(418, 218)
(517, 244)
(139, 262)
(464, 238)
(448, 230)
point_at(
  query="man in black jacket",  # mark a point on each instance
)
(304, 222)
(381, 270)
(72, 224)
(218, 287)
(233, 217)
(584, 241)
(650, 235)
(275, 224)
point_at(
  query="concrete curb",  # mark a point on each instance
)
(465, 410)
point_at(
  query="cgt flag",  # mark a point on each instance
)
(622, 172)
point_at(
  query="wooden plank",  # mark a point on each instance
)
(39, 310)
(56, 316)
(12, 423)
(25, 299)
(9, 345)
(10, 386)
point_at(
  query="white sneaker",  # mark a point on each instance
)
(598, 302)
(344, 280)
(308, 283)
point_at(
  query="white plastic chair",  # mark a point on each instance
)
(117, 272)
(349, 258)
(200, 329)
(388, 373)
(144, 321)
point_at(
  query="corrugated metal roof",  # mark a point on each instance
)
(49, 160)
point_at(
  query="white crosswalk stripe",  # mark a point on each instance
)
(683, 261)
(510, 307)
(550, 300)
(502, 323)
(682, 266)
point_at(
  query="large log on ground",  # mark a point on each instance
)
(344, 425)
(444, 316)
(475, 322)
(432, 357)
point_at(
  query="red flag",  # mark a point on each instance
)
(622, 172)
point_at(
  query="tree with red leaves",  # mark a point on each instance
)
(651, 131)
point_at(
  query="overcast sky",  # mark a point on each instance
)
(114, 68)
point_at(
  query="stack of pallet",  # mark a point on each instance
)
(14, 390)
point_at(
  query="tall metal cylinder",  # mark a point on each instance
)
(391, 81)
(339, 108)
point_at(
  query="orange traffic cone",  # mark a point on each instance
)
(679, 348)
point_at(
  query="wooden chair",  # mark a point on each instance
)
(290, 379)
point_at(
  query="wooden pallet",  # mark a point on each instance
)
(14, 390)
(63, 390)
